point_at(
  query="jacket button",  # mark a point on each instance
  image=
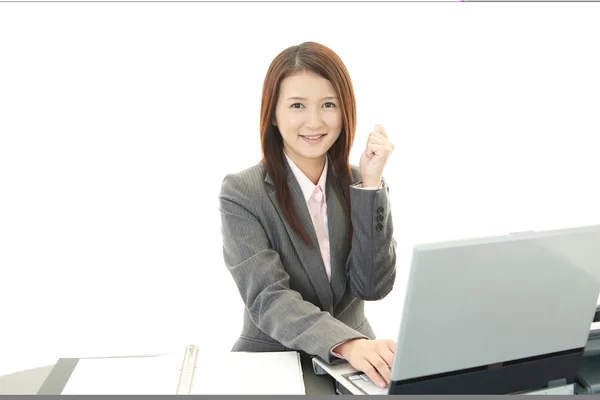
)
(380, 218)
(380, 210)
(379, 227)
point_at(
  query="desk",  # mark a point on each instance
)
(51, 379)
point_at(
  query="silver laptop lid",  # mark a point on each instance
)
(477, 302)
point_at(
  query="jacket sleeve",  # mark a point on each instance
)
(371, 264)
(263, 283)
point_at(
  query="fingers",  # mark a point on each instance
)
(378, 149)
(379, 136)
(380, 129)
(382, 368)
(373, 374)
(391, 345)
(387, 355)
(377, 132)
(375, 358)
(383, 359)
(379, 366)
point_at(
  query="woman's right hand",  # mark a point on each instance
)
(373, 357)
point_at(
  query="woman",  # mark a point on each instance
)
(306, 237)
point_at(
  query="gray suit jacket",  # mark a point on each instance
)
(290, 304)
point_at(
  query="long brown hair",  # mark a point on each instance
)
(321, 60)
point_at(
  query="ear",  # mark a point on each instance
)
(273, 121)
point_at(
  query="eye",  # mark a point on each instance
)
(296, 104)
(329, 105)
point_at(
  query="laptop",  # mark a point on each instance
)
(495, 315)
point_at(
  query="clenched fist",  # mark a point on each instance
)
(375, 156)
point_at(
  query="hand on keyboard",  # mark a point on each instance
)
(373, 357)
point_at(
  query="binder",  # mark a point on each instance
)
(197, 372)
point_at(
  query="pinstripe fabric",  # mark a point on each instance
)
(290, 304)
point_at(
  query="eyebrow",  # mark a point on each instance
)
(305, 99)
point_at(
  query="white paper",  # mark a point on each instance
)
(249, 373)
(139, 375)
(216, 373)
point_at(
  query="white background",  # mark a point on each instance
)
(118, 122)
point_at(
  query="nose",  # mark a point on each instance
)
(314, 120)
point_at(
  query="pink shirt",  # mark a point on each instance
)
(318, 214)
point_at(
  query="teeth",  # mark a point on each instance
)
(313, 137)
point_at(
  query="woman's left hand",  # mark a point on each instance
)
(375, 156)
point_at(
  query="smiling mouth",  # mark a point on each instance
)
(313, 137)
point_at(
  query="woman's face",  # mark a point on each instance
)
(309, 117)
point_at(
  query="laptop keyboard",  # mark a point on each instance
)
(362, 381)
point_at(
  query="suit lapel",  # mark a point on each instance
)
(338, 233)
(311, 259)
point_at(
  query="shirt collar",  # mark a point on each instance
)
(306, 184)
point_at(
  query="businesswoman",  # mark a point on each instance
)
(307, 237)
